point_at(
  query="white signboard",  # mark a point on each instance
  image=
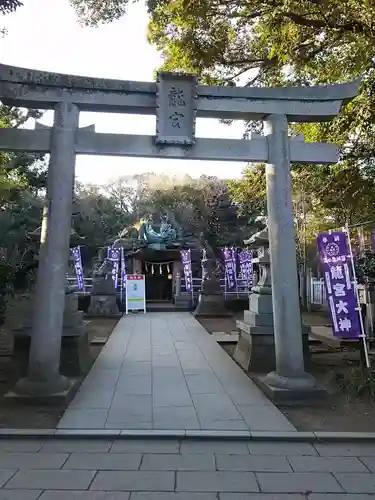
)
(135, 297)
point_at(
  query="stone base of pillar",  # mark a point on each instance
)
(211, 306)
(291, 391)
(255, 350)
(104, 306)
(53, 389)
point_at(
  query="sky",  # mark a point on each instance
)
(45, 35)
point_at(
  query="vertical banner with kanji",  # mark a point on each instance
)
(246, 265)
(372, 240)
(186, 264)
(113, 256)
(230, 267)
(123, 272)
(76, 253)
(339, 281)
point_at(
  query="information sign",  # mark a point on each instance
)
(135, 296)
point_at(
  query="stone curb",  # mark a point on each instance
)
(291, 436)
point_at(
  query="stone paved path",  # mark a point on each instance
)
(165, 372)
(184, 470)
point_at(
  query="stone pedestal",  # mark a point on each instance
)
(103, 300)
(211, 306)
(211, 299)
(183, 301)
(75, 356)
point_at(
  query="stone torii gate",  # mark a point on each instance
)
(177, 100)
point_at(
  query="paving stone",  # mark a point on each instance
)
(326, 464)
(5, 475)
(84, 495)
(87, 433)
(251, 463)
(130, 424)
(83, 418)
(134, 481)
(339, 496)
(297, 482)
(221, 447)
(281, 448)
(32, 460)
(223, 425)
(48, 479)
(184, 417)
(147, 495)
(130, 414)
(216, 481)
(76, 446)
(369, 463)
(178, 462)
(357, 483)
(19, 494)
(97, 401)
(172, 399)
(20, 445)
(104, 461)
(264, 418)
(261, 496)
(215, 406)
(220, 434)
(346, 449)
(203, 384)
(131, 367)
(146, 446)
(134, 384)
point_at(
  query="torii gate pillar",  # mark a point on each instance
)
(44, 378)
(290, 376)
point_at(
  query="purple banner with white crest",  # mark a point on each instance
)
(123, 271)
(76, 253)
(230, 267)
(113, 255)
(372, 240)
(246, 265)
(339, 281)
(186, 264)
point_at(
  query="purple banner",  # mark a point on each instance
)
(338, 277)
(76, 253)
(230, 267)
(113, 255)
(186, 263)
(372, 240)
(246, 265)
(123, 271)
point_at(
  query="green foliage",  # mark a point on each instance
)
(22, 176)
(249, 192)
(357, 383)
(315, 40)
(365, 267)
(95, 12)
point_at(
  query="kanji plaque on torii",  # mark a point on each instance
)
(176, 109)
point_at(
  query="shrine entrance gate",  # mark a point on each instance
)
(177, 100)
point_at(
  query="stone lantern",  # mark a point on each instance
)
(255, 350)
